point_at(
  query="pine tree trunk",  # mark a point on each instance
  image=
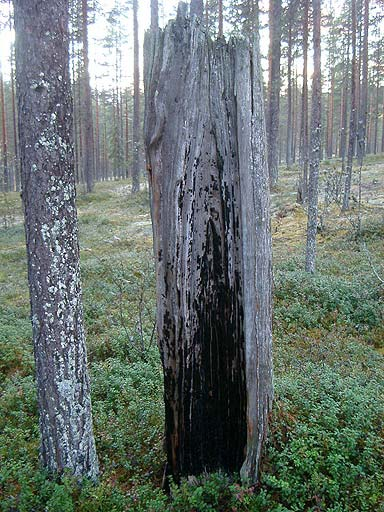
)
(197, 8)
(375, 141)
(353, 115)
(344, 110)
(288, 155)
(382, 126)
(205, 145)
(14, 126)
(304, 150)
(154, 14)
(220, 9)
(313, 184)
(97, 138)
(4, 140)
(362, 127)
(48, 191)
(273, 113)
(136, 104)
(126, 134)
(295, 121)
(330, 113)
(88, 142)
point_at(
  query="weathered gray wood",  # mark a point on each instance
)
(205, 142)
(197, 8)
(48, 191)
(273, 112)
(256, 255)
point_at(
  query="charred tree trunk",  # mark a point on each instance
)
(205, 144)
(48, 191)
(273, 112)
(313, 184)
(136, 104)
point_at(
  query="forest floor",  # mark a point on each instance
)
(326, 445)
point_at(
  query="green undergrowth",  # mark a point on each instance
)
(325, 449)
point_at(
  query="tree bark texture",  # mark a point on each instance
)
(48, 191)
(221, 20)
(154, 14)
(86, 110)
(197, 8)
(314, 162)
(304, 150)
(14, 127)
(136, 104)
(273, 111)
(353, 115)
(206, 156)
(362, 127)
(288, 152)
(4, 138)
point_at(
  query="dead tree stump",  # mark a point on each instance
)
(206, 154)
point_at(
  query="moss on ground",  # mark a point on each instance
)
(326, 445)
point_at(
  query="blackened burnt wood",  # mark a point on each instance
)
(205, 143)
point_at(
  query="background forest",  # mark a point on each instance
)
(325, 449)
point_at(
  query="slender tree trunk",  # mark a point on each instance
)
(313, 184)
(14, 126)
(213, 251)
(353, 115)
(197, 8)
(288, 157)
(154, 14)
(330, 112)
(344, 110)
(382, 126)
(97, 137)
(48, 190)
(304, 151)
(220, 9)
(375, 137)
(81, 176)
(4, 141)
(362, 127)
(126, 134)
(105, 143)
(136, 104)
(88, 146)
(368, 129)
(295, 123)
(274, 89)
